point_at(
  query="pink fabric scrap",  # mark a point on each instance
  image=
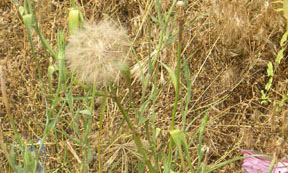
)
(261, 164)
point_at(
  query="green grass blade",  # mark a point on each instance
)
(200, 147)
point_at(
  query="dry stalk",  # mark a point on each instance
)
(5, 98)
(3, 90)
(285, 125)
(70, 148)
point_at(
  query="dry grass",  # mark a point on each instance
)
(234, 40)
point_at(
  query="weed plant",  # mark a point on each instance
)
(71, 67)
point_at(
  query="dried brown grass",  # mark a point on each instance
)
(245, 33)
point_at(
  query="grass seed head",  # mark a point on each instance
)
(97, 52)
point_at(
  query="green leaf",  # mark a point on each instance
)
(270, 71)
(166, 163)
(269, 84)
(170, 40)
(284, 39)
(90, 155)
(141, 166)
(279, 57)
(60, 56)
(86, 112)
(158, 130)
(172, 75)
(264, 98)
(12, 155)
(179, 139)
(154, 19)
(142, 120)
(125, 71)
(70, 99)
(200, 151)
(189, 90)
(28, 160)
(21, 10)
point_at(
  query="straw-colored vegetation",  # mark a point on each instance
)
(141, 86)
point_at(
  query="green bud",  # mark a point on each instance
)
(28, 20)
(74, 20)
(21, 10)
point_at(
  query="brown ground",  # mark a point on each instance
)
(242, 37)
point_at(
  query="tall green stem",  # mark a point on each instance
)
(137, 139)
(178, 70)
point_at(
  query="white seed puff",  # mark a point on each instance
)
(96, 52)
(180, 4)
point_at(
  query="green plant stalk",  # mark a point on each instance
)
(44, 41)
(215, 167)
(178, 73)
(154, 92)
(177, 88)
(5, 151)
(189, 159)
(87, 128)
(161, 38)
(158, 9)
(136, 138)
(182, 159)
(73, 4)
(154, 137)
(102, 111)
(188, 94)
(85, 146)
(280, 54)
(68, 136)
(30, 21)
(36, 28)
(27, 22)
(199, 151)
(61, 59)
(50, 124)
(272, 164)
(170, 152)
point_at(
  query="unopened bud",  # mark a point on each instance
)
(28, 20)
(74, 20)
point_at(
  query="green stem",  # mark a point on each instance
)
(136, 137)
(160, 43)
(44, 41)
(178, 72)
(102, 110)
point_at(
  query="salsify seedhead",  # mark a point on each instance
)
(97, 52)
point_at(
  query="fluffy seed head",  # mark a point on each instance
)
(97, 52)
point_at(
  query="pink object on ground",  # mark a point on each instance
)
(261, 165)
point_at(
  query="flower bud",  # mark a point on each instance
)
(28, 20)
(74, 20)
